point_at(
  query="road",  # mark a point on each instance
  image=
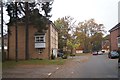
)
(79, 67)
(89, 67)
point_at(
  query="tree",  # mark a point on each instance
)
(16, 32)
(35, 17)
(80, 38)
(64, 26)
(26, 30)
(73, 43)
(107, 37)
(90, 29)
(96, 41)
(46, 8)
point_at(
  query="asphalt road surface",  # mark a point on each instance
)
(90, 66)
(99, 66)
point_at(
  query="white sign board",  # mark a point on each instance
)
(39, 45)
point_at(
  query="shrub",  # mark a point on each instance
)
(52, 56)
(72, 54)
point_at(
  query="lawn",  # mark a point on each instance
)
(82, 54)
(9, 64)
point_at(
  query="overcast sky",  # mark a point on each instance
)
(103, 11)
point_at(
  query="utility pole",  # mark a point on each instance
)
(2, 37)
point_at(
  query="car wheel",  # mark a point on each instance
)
(118, 64)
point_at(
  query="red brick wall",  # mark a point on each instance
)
(113, 40)
(12, 43)
(21, 43)
(33, 52)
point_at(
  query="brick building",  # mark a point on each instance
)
(115, 37)
(41, 45)
(106, 44)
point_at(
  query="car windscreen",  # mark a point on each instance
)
(114, 52)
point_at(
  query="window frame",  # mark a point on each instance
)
(39, 38)
(118, 42)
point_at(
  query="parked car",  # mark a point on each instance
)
(119, 59)
(100, 53)
(113, 54)
(103, 51)
(95, 53)
(118, 64)
(60, 53)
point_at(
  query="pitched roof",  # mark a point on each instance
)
(53, 25)
(115, 27)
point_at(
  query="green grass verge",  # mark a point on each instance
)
(9, 64)
(82, 54)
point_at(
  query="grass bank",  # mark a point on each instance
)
(82, 54)
(9, 64)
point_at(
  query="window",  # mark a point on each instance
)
(119, 40)
(40, 38)
(40, 51)
(40, 41)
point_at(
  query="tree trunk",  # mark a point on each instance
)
(27, 32)
(16, 32)
(8, 44)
